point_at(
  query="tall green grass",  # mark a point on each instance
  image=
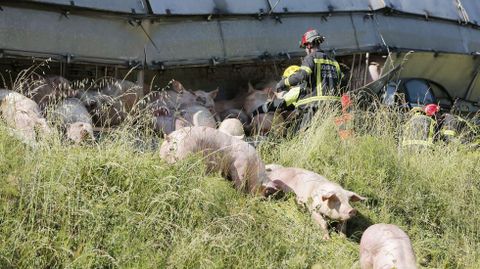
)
(116, 204)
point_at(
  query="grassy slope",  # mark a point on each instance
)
(112, 206)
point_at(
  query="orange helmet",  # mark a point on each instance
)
(310, 37)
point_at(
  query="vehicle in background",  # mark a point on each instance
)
(416, 92)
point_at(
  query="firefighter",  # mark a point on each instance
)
(455, 129)
(317, 79)
(421, 128)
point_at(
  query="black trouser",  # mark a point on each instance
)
(305, 115)
(307, 112)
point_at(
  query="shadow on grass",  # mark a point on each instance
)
(357, 225)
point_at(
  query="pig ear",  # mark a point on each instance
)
(177, 86)
(353, 197)
(250, 87)
(329, 196)
(214, 93)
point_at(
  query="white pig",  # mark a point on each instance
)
(23, 115)
(321, 197)
(386, 246)
(72, 116)
(236, 159)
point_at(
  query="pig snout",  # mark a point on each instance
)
(347, 213)
(352, 212)
(269, 190)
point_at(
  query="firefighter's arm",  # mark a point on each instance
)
(269, 106)
(298, 77)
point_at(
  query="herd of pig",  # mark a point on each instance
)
(189, 120)
(108, 103)
(381, 246)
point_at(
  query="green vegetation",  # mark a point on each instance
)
(116, 204)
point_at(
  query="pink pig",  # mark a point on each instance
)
(321, 197)
(385, 246)
(235, 158)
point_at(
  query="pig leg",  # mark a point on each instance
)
(236, 174)
(342, 228)
(323, 224)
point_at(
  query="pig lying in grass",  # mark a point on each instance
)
(236, 159)
(23, 115)
(385, 246)
(74, 118)
(321, 197)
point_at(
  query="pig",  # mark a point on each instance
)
(166, 122)
(263, 123)
(386, 246)
(235, 114)
(194, 107)
(256, 98)
(198, 115)
(49, 90)
(74, 118)
(111, 101)
(232, 127)
(206, 99)
(234, 158)
(320, 196)
(23, 115)
(106, 110)
(126, 92)
(178, 96)
(235, 103)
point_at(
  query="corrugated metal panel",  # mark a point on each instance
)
(242, 39)
(185, 41)
(125, 6)
(411, 33)
(470, 39)
(446, 9)
(50, 32)
(308, 6)
(472, 8)
(205, 7)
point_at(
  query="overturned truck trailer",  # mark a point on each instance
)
(210, 43)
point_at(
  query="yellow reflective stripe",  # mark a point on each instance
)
(416, 142)
(318, 63)
(316, 98)
(449, 132)
(287, 83)
(427, 142)
(319, 78)
(307, 69)
(292, 95)
(327, 61)
(432, 130)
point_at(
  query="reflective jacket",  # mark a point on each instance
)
(322, 75)
(419, 130)
(456, 129)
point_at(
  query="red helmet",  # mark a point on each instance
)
(310, 37)
(431, 109)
